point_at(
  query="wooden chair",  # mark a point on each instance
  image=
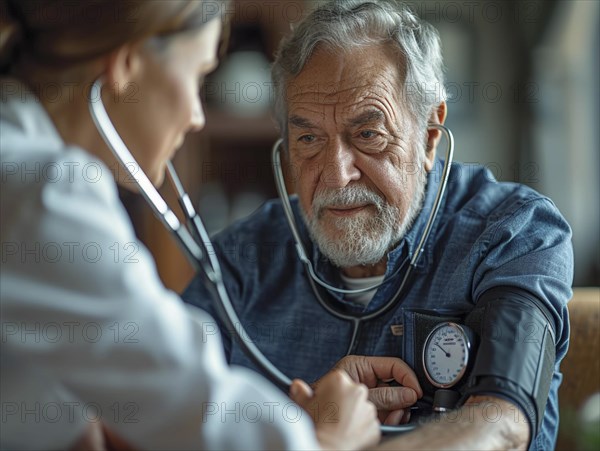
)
(581, 366)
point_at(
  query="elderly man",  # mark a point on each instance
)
(358, 83)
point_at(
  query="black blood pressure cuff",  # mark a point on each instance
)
(516, 354)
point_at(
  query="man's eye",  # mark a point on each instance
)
(307, 139)
(367, 134)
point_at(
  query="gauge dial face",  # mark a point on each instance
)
(446, 354)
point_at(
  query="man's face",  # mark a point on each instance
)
(356, 156)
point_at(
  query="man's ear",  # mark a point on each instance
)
(433, 135)
(122, 67)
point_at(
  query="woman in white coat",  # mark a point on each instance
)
(89, 333)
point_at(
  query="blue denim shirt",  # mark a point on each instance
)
(486, 234)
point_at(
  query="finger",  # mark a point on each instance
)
(406, 417)
(339, 377)
(391, 367)
(353, 366)
(381, 384)
(300, 392)
(375, 434)
(392, 398)
(394, 418)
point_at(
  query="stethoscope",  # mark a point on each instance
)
(195, 242)
(357, 318)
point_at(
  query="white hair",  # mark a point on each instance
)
(343, 25)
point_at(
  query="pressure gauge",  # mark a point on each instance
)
(446, 354)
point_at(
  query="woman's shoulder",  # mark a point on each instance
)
(59, 197)
(39, 175)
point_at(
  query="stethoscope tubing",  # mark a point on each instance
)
(357, 318)
(194, 240)
(194, 244)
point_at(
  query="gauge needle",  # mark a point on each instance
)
(443, 350)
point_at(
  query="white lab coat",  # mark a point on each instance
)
(88, 330)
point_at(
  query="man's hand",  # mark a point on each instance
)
(344, 417)
(392, 402)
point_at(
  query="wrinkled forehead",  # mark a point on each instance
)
(347, 79)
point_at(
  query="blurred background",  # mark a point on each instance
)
(523, 81)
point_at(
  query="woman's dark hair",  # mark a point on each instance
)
(59, 32)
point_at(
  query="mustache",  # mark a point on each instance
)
(346, 197)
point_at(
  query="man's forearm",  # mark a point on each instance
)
(483, 423)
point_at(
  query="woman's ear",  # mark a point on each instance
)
(122, 67)
(433, 135)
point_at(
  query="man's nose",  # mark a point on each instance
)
(340, 165)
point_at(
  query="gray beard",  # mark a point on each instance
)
(362, 240)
